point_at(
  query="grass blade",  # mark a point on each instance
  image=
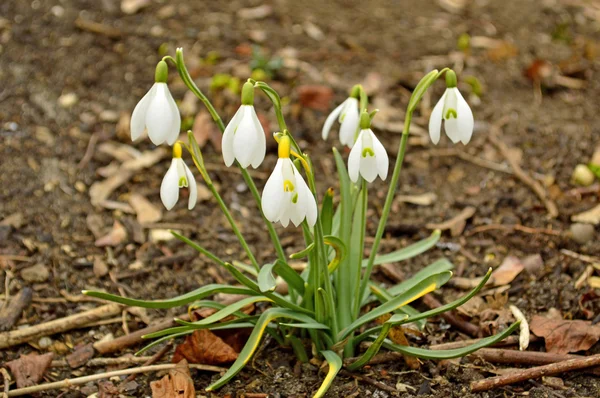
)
(409, 251)
(305, 325)
(288, 274)
(335, 364)
(437, 267)
(225, 312)
(384, 296)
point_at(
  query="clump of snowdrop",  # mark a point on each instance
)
(455, 112)
(244, 138)
(178, 176)
(368, 157)
(347, 114)
(157, 112)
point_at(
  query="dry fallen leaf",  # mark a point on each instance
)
(204, 347)
(564, 336)
(28, 370)
(507, 272)
(116, 236)
(315, 97)
(145, 210)
(177, 384)
(426, 199)
(591, 216)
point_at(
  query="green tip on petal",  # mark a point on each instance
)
(183, 182)
(248, 94)
(450, 79)
(451, 113)
(162, 72)
(367, 151)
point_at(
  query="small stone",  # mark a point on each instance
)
(582, 175)
(67, 100)
(160, 235)
(100, 268)
(582, 233)
(80, 186)
(44, 135)
(109, 116)
(132, 6)
(45, 342)
(37, 273)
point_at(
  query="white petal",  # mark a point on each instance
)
(159, 118)
(138, 117)
(299, 208)
(330, 119)
(464, 120)
(435, 120)
(272, 196)
(354, 158)
(261, 141)
(245, 141)
(311, 208)
(228, 136)
(169, 188)
(368, 167)
(350, 122)
(192, 187)
(176, 124)
(383, 162)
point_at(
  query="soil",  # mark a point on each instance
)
(66, 82)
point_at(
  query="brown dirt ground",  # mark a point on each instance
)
(45, 55)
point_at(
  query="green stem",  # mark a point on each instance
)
(187, 79)
(387, 206)
(358, 265)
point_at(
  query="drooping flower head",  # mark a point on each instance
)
(347, 113)
(178, 176)
(455, 112)
(286, 196)
(157, 111)
(368, 157)
(244, 138)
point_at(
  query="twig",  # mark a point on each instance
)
(536, 187)
(100, 362)
(582, 257)
(506, 356)
(510, 228)
(11, 314)
(368, 380)
(534, 373)
(7, 380)
(89, 152)
(450, 317)
(19, 336)
(86, 379)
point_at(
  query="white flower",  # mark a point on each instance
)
(454, 110)
(287, 197)
(348, 115)
(244, 139)
(178, 176)
(368, 158)
(158, 112)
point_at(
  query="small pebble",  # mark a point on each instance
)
(67, 100)
(36, 273)
(582, 175)
(45, 342)
(582, 233)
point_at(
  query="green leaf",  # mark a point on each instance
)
(373, 349)
(277, 298)
(340, 251)
(245, 268)
(440, 266)
(225, 312)
(335, 364)
(425, 286)
(197, 247)
(408, 252)
(288, 274)
(455, 353)
(327, 212)
(187, 298)
(312, 325)
(164, 338)
(254, 340)
(422, 87)
(298, 348)
(266, 280)
(303, 253)
(383, 296)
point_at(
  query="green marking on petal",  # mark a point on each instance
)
(288, 186)
(451, 113)
(183, 182)
(368, 151)
(295, 198)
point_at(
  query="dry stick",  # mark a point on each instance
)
(534, 373)
(100, 362)
(19, 336)
(86, 379)
(7, 381)
(496, 355)
(536, 187)
(368, 380)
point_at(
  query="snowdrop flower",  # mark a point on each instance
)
(286, 196)
(157, 111)
(348, 116)
(178, 176)
(454, 110)
(367, 157)
(244, 138)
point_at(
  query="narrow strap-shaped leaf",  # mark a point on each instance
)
(372, 350)
(407, 252)
(266, 280)
(312, 325)
(303, 253)
(246, 268)
(437, 267)
(335, 364)
(225, 312)
(455, 353)
(235, 323)
(244, 280)
(340, 251)
(198, 248)
(383, 296)
(254, 340)
(427, 285)
(327, 212)
(289, 275)
(164, 338)
(298, 347)
(198, 294)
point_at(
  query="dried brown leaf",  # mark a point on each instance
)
(116, 236)
(564, 336)
(507, 272)
(28, 370)
(177, 384)
(145, 210)
(204, 347)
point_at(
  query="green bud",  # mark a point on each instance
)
(162, 72)
(355, 92)
(365, 120)
(248, 94)
(450, 79)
